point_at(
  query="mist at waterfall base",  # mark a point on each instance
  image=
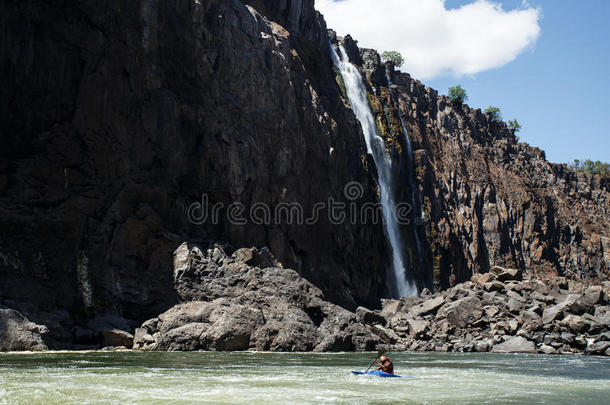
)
(299, 378)
(356, 93)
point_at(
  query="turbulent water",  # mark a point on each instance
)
(356, 93)
(251, 378)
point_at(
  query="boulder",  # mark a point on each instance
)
(576, 323)
(117, 337)
(142, 339)
(491, 311)
(547, 349)
(552, 313)
(386, 334)
(552, 339)
(542, 297)
(427, 307)
(255, 258)
(515, 295)
(597, 348)
(482, 346)
(593, 295)
(369, 317)
(532, 325)
(515, 286)
(486, 278)
(602, 316)
(182, 338)
(516, 344)
(245, 307)
(514, 306)
(571, 303)
(512, 325)
(391, 307)
(504, 274)
(574, 304)
(567, 338)
(529, 316)
(462, 312)
(537, 308)
(417, 328)
(494, 286)
(17, 333)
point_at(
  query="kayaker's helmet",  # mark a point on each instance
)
(384, 358)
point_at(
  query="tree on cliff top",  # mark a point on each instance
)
(457, 94)
(494, 112)
(591, 167)
(514, 125)
(393, 56)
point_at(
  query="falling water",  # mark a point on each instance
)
(415, 198)
(356, 93)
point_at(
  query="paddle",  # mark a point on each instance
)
(379, 353)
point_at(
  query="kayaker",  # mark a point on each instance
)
(385, 365)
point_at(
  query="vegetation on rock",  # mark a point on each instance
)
(494, 112)
(457, 94)
(514, 125)
(388, 126)
(591, 167)
(394, 57)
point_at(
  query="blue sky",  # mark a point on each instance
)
(559, 90)
(554, 80)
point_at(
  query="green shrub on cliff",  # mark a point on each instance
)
(494, 112)
(457, 94)
(393, 56)
(591, 167)
(514, 126)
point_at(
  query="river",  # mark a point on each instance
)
(262, 378)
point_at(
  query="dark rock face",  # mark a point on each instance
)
(486, 199)
(118, 116)
(233, 306)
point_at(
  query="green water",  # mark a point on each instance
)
(251, 378)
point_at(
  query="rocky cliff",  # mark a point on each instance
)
(124, 123)
(119, 117)
(485, 199)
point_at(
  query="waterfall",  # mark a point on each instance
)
(356, 93)
(415, 198)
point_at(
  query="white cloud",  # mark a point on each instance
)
(436, 41)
